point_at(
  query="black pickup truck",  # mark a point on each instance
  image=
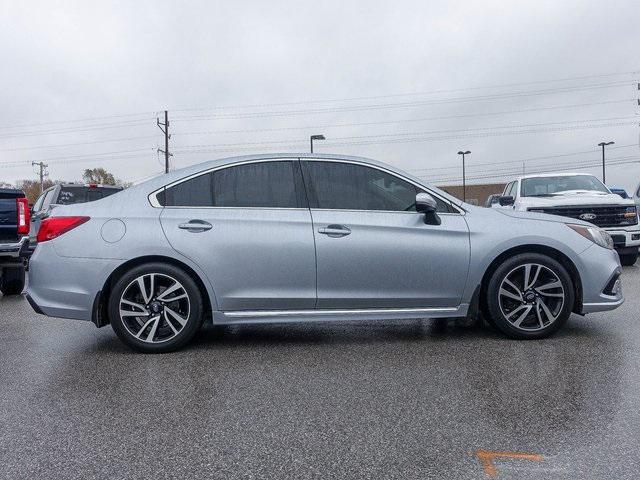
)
(14, 240)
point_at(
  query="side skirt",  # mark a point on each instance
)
(291, 316)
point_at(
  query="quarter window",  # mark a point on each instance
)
(346, 186)
(264, 184)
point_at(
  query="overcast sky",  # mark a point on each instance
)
(81, 84)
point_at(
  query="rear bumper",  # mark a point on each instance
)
(65, 287)
(14, 250)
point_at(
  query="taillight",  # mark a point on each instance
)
(53, 227)
(24, 215)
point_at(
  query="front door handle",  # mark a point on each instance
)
(335, 231)
(196, 226)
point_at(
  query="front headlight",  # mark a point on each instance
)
(595, 234)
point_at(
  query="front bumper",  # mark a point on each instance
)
(599, 269)
(624, 237)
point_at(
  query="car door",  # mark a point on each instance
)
(249, 228)
(373, 249)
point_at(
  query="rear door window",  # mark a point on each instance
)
(273, 184)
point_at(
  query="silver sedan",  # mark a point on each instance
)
(298, 237)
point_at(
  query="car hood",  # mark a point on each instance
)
(539, 216)
(575, 197)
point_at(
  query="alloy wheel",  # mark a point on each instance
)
(154, 307)
(531, 297)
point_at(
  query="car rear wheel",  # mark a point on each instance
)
(530, 296)
(155, 308)
(12, 280)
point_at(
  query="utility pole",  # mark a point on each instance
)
(165, 130)
(42, 173)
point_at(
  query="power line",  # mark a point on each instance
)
(403, 104)
(111, 140)
(551, 168)
(89, 119)
(520, 161)
(90, 128)
(89, 155)
(10, 165)
(425, 136)
(374, 97)
(387, 122)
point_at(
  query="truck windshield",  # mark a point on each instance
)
(549, 186)
(81, 194)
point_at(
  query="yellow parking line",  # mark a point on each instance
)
(487, 457)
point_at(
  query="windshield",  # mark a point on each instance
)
(80, 194)
(548, 186)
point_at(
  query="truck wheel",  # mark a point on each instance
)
(12, 282)
(628, 259)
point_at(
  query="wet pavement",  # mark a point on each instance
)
(414, 399)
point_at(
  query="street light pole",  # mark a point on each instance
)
(315, 137)
(464, 184)
(603, 144)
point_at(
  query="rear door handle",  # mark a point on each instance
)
(335, 231)
(196, 226)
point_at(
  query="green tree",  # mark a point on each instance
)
(99, 175)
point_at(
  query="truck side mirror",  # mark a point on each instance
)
(506, 200)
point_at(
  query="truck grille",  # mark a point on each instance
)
(608, 216)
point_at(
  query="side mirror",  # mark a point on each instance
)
(426, 204)
(506, 200)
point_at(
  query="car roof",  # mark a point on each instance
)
(164, 179)
(557, 174)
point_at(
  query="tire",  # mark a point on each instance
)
(170, 308)
(628, 259)
(534, 312)
(12, 280)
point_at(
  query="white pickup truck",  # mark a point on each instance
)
(580, 196)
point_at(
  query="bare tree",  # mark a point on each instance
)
(31, 188)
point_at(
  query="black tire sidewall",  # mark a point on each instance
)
(628, 259)
(195, 315)
(12, 280)
(507, 266)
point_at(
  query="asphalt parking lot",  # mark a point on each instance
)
(413, 399)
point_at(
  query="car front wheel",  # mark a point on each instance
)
(530, 296)
(155, 308)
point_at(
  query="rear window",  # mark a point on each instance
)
(71, 195)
